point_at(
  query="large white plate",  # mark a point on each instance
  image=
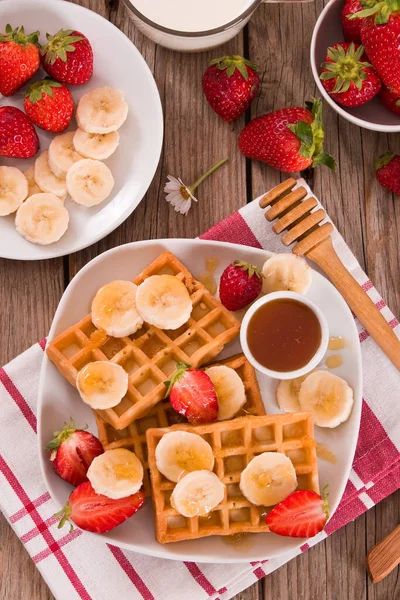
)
(116, 63)
(58, 400)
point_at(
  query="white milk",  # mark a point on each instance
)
(191, 15)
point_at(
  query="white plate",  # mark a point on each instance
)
(116, 63)
(58, 400)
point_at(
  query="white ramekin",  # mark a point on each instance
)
(327, 32)
(316, 359)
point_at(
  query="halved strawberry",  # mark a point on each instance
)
(192, 394)
(302, 514)
(98, 513)
(72, 451)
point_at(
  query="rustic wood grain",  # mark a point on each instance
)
(367, 216)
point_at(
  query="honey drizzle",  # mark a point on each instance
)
(207, 278)
(336, 343)
(324, 453)
(334, 361)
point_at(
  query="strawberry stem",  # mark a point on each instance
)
(381, 9)
(64, 434)
(346, 67)
(384, 160)
(203, 177)
(251, 269)
(231, 63)
(181, 367)
(64, 515)
(19, 36)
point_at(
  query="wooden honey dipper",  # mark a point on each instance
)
(315, 242)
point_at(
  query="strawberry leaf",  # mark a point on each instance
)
(231, 63)
(64, 434)
(250, 269)
(323, 158)
(384, 160)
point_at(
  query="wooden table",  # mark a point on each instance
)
(277, 39)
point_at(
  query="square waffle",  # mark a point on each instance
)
(234, 444)
(163, 415)
(149, 355)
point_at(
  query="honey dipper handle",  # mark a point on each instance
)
(325, 256)
(385, 556)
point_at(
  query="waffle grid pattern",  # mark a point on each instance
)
(162, 414)
(150, 355)
(234, 444)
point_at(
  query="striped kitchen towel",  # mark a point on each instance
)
(77, 566)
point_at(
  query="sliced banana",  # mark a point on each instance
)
(116, 473)
(42, 219)
(46, 179)
(89, 182)
(268, 479)
(102, 384)
(197, 494)
(33, 186)
(13, 189)
(163, 301)
(180, 452)
(98, 146)
(102, 110)
(114, 309)
(230, 391)
(328, 397)
(62, 154)
(286, 272)
(287, 394)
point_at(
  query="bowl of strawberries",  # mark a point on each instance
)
(355, 60)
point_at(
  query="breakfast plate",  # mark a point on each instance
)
(58, 400)
(134, 162)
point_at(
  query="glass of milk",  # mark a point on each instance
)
(191, 25)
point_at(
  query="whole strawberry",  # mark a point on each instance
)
(390, 99)
(351, 27)
(68, 57)
(388, 171)
(72, 451)
(289, 140)
(347, 75)
(380, 36)
(18, 137)
(19, 58)
(239, 285)
(49, 104)
(230, 85)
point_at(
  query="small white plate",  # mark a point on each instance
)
(58, 400)
(119, 64)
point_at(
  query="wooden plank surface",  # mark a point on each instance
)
(368, 217)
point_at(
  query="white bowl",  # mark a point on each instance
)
(327, 32)
(316, 359)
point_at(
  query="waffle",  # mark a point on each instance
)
(163, 415)
(150, 355)
(234, 444)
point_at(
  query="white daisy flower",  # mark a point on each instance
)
(180, 196)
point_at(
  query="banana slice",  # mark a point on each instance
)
(62, 154)
(268, 479)
(287, 394)
(180, 452)
(230, 391)
(102, 384)
(286, 272)
(197, 494)
(116, 473)
(114, 309)
(42, 219)
(328, 397)
(98, 146)
(163, 301)
(13, 190)
(33, 187)
(46, 179)
(89, 182)
(102, 110)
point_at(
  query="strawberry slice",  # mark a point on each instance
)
(72, 451)
(302, 514)
(95, 512)
(192, 394)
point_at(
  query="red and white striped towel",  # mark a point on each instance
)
(75, 566)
